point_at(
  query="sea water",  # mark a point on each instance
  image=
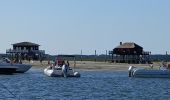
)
(92, 85)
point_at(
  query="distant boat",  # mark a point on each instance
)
(61, 69)
(162, 72)
(6, 66)
(58, 72)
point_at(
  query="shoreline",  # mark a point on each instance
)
(91, 65)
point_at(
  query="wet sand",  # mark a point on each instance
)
(91, 65)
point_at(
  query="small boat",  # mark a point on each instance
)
(7, 66)
(61, 70)
(162, 72)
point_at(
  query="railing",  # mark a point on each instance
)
(146, 53)
(24, 51)
(16, 51)
(38, 51)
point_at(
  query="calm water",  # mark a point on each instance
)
(93, 85)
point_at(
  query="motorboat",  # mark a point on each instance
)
(162, 72)
(6, 65)
(56, 71)
(61, 70)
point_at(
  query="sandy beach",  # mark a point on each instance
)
(91, 65)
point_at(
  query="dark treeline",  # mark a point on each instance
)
(103, 57)
(160, 57)
(108, 57)
(83, 57)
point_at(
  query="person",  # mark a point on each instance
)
(29, 59)
(63, 63)
(6, 60)
(48, 62)
(163, 66)
(20, 62)
(65, 68)
(68, 64)
(151, 66)
(41, 61)
(64, 71)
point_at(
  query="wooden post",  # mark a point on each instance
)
(166, 56)
(74, 63)
(95, 56)
(106, 56)
(81, 55)
(112, 57)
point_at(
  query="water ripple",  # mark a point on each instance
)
(100, 85)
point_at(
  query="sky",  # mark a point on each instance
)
(69, 26)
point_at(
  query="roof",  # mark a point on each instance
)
(128, 45)
(25, 44)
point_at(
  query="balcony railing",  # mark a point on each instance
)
(16, 51)
(24, 51)
(38, 51)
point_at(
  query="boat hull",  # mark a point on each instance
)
(57, 72)
(152, 73)
(22, 68)
(15, 68)
(149, 73)
(7, 70)
(6, 65)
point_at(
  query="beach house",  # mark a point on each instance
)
(26, 50)
(129, 52)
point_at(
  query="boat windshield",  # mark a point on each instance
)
(5, 60)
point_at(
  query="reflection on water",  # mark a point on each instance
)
(100, 85)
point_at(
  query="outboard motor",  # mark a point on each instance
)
(131, 70)
(76, 74)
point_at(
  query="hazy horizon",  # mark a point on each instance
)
(69, 26)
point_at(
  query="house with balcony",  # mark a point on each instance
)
(129, 52)
(26, 50)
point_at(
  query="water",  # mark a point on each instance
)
(93, 85)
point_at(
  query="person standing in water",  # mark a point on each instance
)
(64, 69)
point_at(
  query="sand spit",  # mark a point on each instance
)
(91, 65)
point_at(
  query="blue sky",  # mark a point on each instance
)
(69, 26)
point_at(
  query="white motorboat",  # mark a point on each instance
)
(162, 72)
(5, 63)
(55, 71)
(61, 69)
